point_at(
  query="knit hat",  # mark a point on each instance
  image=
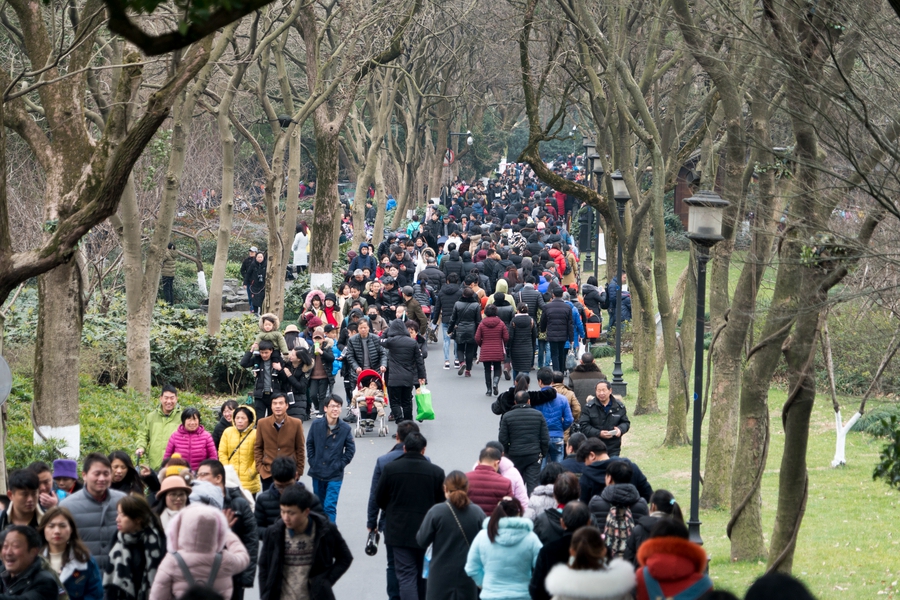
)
(64, 467)
(206, 493)
(314, 322)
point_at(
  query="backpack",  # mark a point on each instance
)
(604, 300)
(697, 590)
(618, 528)
(568, 269)
(189, 578)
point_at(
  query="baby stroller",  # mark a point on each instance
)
(366, 412)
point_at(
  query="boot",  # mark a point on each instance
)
(507, 374)
(496, 385)
(488, 392)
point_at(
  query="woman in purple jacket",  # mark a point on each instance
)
(191, 441)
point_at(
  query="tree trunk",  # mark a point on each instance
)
(58, 338)
(327, 204)
(678, 354)
(380, 202)
(640, 282)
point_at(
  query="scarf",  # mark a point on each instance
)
(123, 563)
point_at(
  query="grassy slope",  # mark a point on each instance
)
(849, 542)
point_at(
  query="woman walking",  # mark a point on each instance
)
(451, 527)
(139, 548)
(300, 247)
(590, 575)
(173, 496)
(503, 554)
(236, 448)
(522, 341)
(492, 337)
(69, 558)
(463, 325)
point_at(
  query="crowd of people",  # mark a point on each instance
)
(550, 509)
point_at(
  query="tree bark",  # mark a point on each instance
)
(327, 203)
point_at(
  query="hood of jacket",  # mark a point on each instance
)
(505, 465)
(671, 558)
(454, 256)
(198, 528)
(586, 287)
(620, 494)
(511, 530)
(312, 294)
(364, 245)
(271, 316)
(449, 289)
(527, 265)
(616, 580)
(501, 286)
(543, 490)
(397, 328)
(467, 256)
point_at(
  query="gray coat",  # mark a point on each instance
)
(96, 522)
(447, 579)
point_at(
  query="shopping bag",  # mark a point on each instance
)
(424, 410)
(571, 361)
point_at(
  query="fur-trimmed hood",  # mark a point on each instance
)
(312, 294)
(615, 582)
(671, 558)
(271, 316)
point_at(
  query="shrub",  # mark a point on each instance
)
(877, 422)
(888, 467)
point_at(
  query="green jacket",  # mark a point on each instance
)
(154, 434)
(168, 263)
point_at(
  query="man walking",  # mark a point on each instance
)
(525, 438)
(606, 418)
(408, 488)
(158, 426)
(364, 351)
(558, 324)
(487, 487)
(558, 414)
(278, 435)
(329, 449)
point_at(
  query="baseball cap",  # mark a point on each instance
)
(253, 249)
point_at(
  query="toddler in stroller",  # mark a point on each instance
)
(367, 404)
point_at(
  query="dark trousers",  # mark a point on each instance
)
(529, 468)
(393, 586)
(168, 290)
(401, 401)
(466, 352)
(237, 591)
(408, 564)
(491, 369)
(558, 355)
(263, 406)
(317, 392)
(266, 483)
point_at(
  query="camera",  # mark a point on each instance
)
(372, 543)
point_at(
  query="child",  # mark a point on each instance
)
(331, 332)
(303, 554)
(268, 325)
(65, 476)
(371, 396)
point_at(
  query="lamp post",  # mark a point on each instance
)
(705, 211)
(621, 196)
(595, 243)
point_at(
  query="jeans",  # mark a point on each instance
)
(555, 454)
(466, 352)
(393, 586)
(558, 355)
(529, 468)
(447, 341)
(317, 392)
(168, 291)
(401, 402)
(408, 564)
(489, 368)
(543, 354)
(329, 491)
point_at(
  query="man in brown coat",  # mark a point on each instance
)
(569, 395)
(414, 310)
(583, 379)
(278, 435)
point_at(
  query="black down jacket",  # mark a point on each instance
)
(465, 319)
(453, 264)
(405, 363)
(245, 528)
(594, 298)
(522, 338)
(447, 297)
(533, 298)
(557, 321)
(523, 431)
(594, 419)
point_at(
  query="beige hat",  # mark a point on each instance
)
(318, 332)
(291, 329)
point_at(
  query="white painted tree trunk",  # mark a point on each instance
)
(842, 430)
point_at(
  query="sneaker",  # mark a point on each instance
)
(468, 373)
(456, 363)
(461, 369)
(447, 365)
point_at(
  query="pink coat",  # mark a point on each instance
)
(492, 335)
(194, 447)
(197, 533)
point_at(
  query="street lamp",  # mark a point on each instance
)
(595, 243)
(621, 196)
(705, 212)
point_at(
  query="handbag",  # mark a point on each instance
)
(458, 524)
(424, 408)
(571, 362)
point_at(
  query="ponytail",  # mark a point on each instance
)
(457, 485)
(664, 501)
(508, 507)
(589, 550)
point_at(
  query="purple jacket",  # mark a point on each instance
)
(194, 447)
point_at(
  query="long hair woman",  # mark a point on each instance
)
(125, 478)
(502, 557)
(68, 555)
(139, 548)
(589, 574)
(451, 527)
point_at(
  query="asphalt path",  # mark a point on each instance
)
(463, 423)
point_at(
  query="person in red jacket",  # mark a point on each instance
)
(487, 487)
(671, 564)
(194, 443)
(492, 335)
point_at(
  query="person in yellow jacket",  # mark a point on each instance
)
(236, 448)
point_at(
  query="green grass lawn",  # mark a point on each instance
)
(849, 543)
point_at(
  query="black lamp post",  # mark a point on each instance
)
(621, 196)
(705, 210)
(595, 244)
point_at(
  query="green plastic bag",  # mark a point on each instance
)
(424, 409)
